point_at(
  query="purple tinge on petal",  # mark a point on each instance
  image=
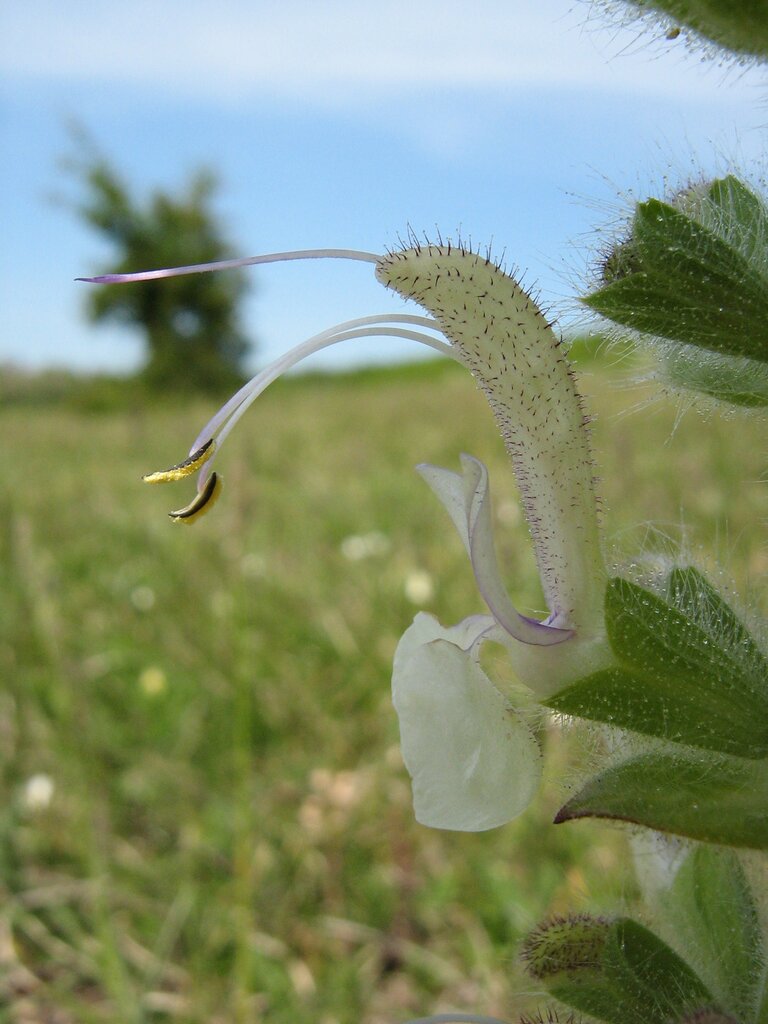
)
(467, 501)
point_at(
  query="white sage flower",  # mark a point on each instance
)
(474, 761)
(37, 792)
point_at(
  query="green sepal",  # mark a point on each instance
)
(687, 670)
(689, 281)
(705, 796)
(616, 970)
(710, 910)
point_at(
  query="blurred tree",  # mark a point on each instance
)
(191, 324)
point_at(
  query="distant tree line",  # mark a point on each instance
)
(192, 325)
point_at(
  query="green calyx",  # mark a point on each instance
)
(617, 971)
(694, 272)
(710, 913)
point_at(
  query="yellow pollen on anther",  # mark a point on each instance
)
(186, 468)
(202, 502)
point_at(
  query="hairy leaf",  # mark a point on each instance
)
(709, 797)
(687, 670)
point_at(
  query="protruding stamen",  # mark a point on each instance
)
(183, 469)
(202, 502)
(271, 373)
(216, 430)
(331, 336)
(247, 261)
(227, 417)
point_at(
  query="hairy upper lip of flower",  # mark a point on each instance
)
(460, 742)
(500, 334)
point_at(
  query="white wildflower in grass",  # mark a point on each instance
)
(253, 565)
(153, 681)
(358, 547)
(143, 598)
(37, 792)
(419, 587)
(474, 760)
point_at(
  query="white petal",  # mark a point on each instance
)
(474, 762)
(449, 488)
(467, 500)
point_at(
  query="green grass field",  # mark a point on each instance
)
(204, 813)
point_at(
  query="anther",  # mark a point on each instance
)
(183, 469)
(202, 502)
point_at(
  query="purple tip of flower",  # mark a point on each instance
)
(248, 261)
(103, 279)
(554, 634)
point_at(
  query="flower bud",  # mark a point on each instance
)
(617, 971)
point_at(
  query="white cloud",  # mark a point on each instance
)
(332, 52)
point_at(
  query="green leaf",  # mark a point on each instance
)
(737, 25)
(689, 590)
(738, 215)
(707, 1015)
(687, 670)
(732, 379)
(692, 282)
(711, 912)
(709, 797)
(617, 970)
(725, 210)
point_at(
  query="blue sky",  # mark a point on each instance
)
(342, 124)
